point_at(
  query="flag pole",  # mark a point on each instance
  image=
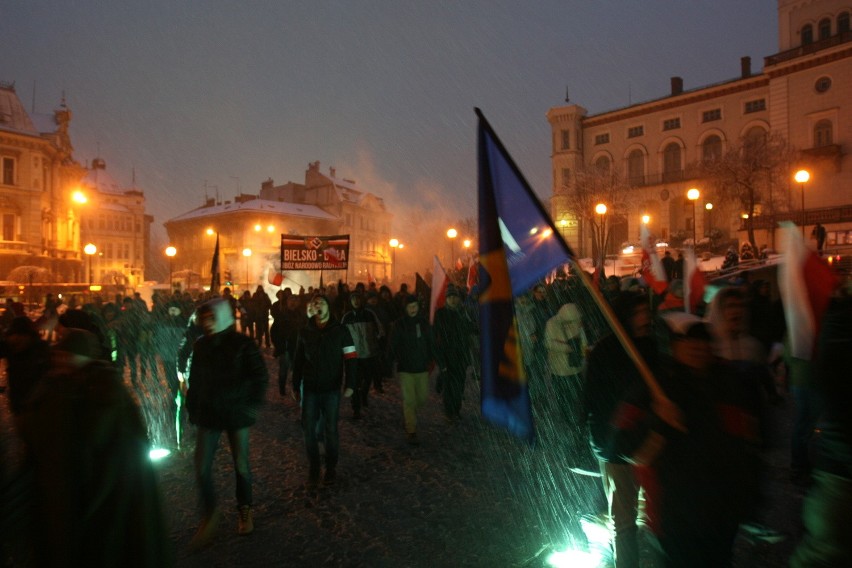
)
(663, 406)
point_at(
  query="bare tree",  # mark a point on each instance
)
(593, 185)
(751, 172)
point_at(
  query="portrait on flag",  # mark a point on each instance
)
(314, 252)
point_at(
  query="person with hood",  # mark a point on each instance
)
(452, 330)
(227, 385)
(566, 346)
(324, 350)
(367, 333)
(27, 361)
(413, 348)
(96, 500)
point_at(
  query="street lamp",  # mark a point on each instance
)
(600, 209)
(802, 176)
(247, 254)
(170, 252)
(709, 232)
(452, 234)
(90, 250)
(394, 244)
(693, 195)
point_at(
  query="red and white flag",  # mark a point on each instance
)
(370, 278)
(472, 273)
(652, 269)
(440, 282)
(274, 277)
(694, 282)
(806, 283)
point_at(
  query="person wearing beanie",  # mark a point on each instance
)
(367, 333)
(227, 384)
(412, 347)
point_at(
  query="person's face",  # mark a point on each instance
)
(292, 302)
(640, 321)
(453, 301)
(207, 322)
(538, 294)
(356, 301)
(692, 352)
(412, 309)
(318, 308)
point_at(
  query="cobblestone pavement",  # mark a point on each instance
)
(469, 495)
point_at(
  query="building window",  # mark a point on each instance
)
(635, 131)
(602, 165)
(566, 139)
(8, 171)
(843, 22)
(671, 124)
(823, 133)
(822, 84)
(755, 106)
(636, 167)
(602, 139)
(671, 163)
(807, 34)
(711, 115)
(824, 28)
(566, 177)
(8, 226)
(711, 149)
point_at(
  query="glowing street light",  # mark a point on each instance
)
(802, 176)
(394, 244)
(646, 219)
(170, 252)
(247, 254)
(210, 231)
(79, 197)
(600, 209)
(90, 250)
(709, 208)
(693, 195)
(452, 234)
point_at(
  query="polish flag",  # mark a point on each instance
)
(652, 269)
(472, 273)
(806, 283)
(694, 282)
(440, 282)
(275, 278)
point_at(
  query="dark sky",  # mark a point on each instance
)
(236, 92)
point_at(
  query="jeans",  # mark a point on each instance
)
(623, 495)
(321, 408)
(368, 369)
(207, 442)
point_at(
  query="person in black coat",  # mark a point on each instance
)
(323, 351)
(413, 348)
(227, 385)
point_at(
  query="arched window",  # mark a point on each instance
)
(843, 22)
(602, 165)
(711, 149)
(671, 163)
(636, 167)
(823, 133)
(824, 28)
(807, 34)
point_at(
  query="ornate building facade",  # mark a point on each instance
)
(250, 227)
(801, 95)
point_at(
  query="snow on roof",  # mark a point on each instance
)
(114, 207)
(100, 180)
(259, 206)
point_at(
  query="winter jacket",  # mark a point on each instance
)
(322, 355)
(366, 329)
(227, 381)
(412, 345)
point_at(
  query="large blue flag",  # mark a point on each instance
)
(519, 245)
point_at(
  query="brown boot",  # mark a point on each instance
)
(245, 524)
(206, 530)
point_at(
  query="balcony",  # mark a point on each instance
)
(807, 49)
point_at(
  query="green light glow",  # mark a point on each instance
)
(157, 454)
(574, 559)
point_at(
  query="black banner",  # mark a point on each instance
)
(314, 253)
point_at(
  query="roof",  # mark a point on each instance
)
(100, 180)
(257, 206)
(13, 115)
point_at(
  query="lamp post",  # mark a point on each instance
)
(90, 250)
(600, 209)
(247, 254)
(452, 234)
(709, 231)
(394, 244)
(693, 195)
(171, 252)
(802, 176)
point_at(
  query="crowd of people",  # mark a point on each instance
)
(679, 455)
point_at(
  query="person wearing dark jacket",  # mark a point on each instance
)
(288, 318)
(413, 348)
(27, 361)
(452, 332)
(323, 351)
(367, 333)
(610, 373)
(227, 385)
